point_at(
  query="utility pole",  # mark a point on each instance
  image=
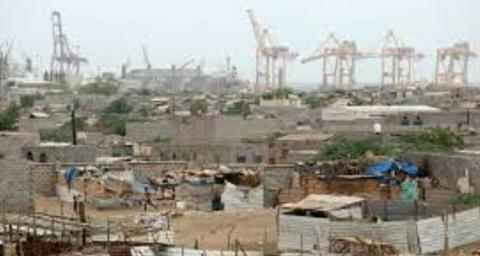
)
(74, 126)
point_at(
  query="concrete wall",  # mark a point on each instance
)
(15, 182)
(15, 186)
(143, 170)
(65, 154)
(449, 168)
(212, 129)
(275, 177)
(210, 153)
(44, 177)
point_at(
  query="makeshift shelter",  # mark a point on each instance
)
(327, 206)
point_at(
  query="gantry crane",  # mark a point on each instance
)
(397, 62)
(452, 65)
(338, 61)
(268, 56)
(64, 60)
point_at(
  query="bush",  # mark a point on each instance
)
(238, 108)
(160, 139)
(113, 124)
(118, 106)
(9, 117)
(145, 111)
(55, 135)
(28, 101)
(281, 93)
(432, 139)
(199, 107)
(466, 199)
(102, 88)
(315, 102)
(343, 148)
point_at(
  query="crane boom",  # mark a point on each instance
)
(145, 57)
(186, 64)
(257, 30)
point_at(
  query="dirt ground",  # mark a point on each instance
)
(212, 230)
(215, 230)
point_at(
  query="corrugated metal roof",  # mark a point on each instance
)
(323, 202)
(305, 137)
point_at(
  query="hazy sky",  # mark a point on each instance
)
(111, 31)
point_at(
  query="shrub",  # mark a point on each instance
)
(118, 106)
(113, 124)
(238, 108)
(160, 139)
(343, 148)
(102, 88)
(432, 139)
(55, 135)
(198, 107)
(9, 117)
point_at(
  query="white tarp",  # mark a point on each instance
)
(242, 198)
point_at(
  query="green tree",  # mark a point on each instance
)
(432, 139)
(348, 148)
(145, 111)
(55, 134)
(238, 108)
(118, 106)
(99, 87)
(280, 93)
(113, 124)
(27, 101)
(9, 117)
(315, 102)
(199, 107)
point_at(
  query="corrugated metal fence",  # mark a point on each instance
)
(302, 233)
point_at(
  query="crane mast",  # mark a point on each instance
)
(271, 59)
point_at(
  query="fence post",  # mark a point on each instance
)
(34, 224)
(301, 244)
(236, 247)
(108, 234)
(385, 210)
(416, 209)
(446, 245)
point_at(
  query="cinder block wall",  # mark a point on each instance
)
(448, 168)
(44, 178)
(15, 190)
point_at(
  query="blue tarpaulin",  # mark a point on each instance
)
(70, 174)
(381, 168)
